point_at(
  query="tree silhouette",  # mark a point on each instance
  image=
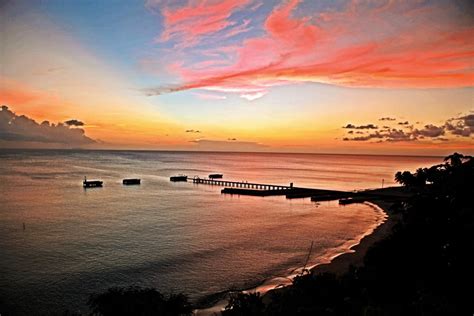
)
(422, 268)
(138, 301)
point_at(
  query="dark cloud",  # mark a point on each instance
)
(232, 139)
(161, 90)
(399, 135)
(368, 126)
(392, 135)
(430, 130)
(387, 119)
(20, 128)
(461, 126)
(357, 138)
(74, 122)
(468, 120)
(193, 131)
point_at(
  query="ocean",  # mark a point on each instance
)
(59, 242)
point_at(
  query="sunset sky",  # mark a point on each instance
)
(377, 77)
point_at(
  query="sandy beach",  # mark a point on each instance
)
(338, 264)
(355, 257)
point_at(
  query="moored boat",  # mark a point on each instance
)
(131, 181)
(351, 200)
(179, 178)
(91, 183)
(215, 176)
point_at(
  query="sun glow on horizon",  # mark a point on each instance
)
(240, 75)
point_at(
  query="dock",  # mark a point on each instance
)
(292, 192)
(246, 185)
(261, 189)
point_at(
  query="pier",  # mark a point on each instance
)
(292, 192)
(261, 189)
(244, 185)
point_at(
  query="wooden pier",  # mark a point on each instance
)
(260, 189)
(246, 185)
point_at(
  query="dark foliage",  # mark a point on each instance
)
(138, 301)
(425, 267)
(244, 305)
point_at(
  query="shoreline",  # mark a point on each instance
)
(338, 264)
(355, 256)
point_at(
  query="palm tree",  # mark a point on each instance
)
(455, 160)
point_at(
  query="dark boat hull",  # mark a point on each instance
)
(179, 179)
(131, 181)
(92, 184)
(215, 176)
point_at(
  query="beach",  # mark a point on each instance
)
(355, 256)
(338, 264)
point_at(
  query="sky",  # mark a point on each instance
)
(374, 77)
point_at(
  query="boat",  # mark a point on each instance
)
(91, 183)
(215, 176)
(179, 178)
(345, 201)
(351, 200)
(131, 181)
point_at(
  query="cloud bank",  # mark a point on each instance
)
(18, 129)
(462, 126)
(368, 126)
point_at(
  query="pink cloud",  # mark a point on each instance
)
(392, 45)
(242, 28)
(197, 18)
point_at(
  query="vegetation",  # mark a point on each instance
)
(138, 301)
(425, 267)
(241, 304)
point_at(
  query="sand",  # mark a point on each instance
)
(341, 263)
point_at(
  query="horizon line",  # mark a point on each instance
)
(225, 151)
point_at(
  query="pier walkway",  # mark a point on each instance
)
(238, 184)
(260, 189)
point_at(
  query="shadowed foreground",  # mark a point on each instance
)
(138, 301)
(424, 267)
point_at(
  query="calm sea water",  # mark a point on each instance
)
(176, 237)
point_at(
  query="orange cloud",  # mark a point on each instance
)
(392, 45)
